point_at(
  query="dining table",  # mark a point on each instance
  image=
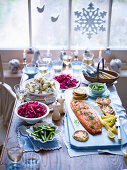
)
(60, 159)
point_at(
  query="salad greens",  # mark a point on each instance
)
(97, 86)
(44, 132)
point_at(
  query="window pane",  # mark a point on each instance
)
(118, 36)
(89, 23)
(47, 32)
(13, 23)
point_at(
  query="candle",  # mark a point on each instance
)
(24, 55)
(100, 54)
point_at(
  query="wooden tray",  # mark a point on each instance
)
(105, 80)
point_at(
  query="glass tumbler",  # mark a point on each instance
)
(57, 66)
(124, 151)
(21, 92)
(31, 161)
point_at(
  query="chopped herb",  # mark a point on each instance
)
(81, 112)
(78, 109)
(86, 113)
(76, 122)
(91, 117)
(92, 126)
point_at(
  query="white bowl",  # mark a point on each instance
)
(48, 97)
(32, 120)
(97, 92)
(30, 130)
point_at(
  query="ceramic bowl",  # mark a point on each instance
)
(30, 70)
(96, 90)
(32, 120)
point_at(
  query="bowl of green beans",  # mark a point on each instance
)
(43, 131)
(97, 88)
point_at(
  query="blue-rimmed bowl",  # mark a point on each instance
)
(97, 88)
(31, 70)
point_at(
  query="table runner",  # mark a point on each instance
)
(122, 113)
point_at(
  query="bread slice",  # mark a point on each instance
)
(103, 100)
(81, 135)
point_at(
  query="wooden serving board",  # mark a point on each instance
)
(99, 141)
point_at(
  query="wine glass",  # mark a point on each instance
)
(15, 150)
(67, 59)
(21, 92)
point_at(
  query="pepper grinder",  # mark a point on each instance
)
(56, 113)
(61, 108)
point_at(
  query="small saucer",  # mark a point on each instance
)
(105, 94)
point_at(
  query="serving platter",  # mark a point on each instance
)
(99, 141)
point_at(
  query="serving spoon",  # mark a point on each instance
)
(23, 131)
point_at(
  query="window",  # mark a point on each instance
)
(61, 24)
(14, 30)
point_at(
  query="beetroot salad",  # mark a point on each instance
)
(66, 81)
(32, 110)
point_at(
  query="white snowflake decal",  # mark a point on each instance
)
(90, 21)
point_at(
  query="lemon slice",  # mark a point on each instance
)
(110, 134)
(114, 129)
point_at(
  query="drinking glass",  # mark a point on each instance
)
(15, 151)
(67, 59)
(124, 151)
(57, 66)
(31, 161)
(76, 68)
(88, 58)
(21, 92)
(43, 66)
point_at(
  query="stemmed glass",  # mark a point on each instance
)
(14, 151)
(21, 92)
(67, 59)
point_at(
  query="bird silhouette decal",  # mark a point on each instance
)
(53, 19)
(40, 10)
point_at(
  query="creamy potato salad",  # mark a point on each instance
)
(41, 86)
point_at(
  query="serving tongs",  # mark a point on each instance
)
(118, 125)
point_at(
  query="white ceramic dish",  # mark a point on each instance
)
(30, 130)
(57, 86)
(32, 120)
(105, 94)
(97, 92)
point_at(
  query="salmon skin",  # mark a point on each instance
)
(87, 116)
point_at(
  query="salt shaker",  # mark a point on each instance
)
(61, 108)
(56, 113)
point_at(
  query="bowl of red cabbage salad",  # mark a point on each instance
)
(32, 112)
(66, 81)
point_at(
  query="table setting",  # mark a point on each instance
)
(52, 108)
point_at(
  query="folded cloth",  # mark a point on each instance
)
(49, 145)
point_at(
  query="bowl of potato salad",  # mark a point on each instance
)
(42, 89)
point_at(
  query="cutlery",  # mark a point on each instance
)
(118, 125)
(23, 131)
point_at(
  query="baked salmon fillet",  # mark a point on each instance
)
(87, 116)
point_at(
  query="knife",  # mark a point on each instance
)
(118, 125)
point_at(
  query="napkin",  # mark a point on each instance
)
(49, 145)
